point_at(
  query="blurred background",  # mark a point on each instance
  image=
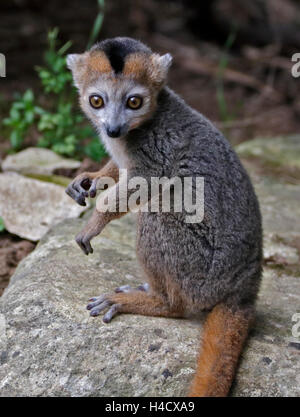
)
(232, 62)
(232, 59)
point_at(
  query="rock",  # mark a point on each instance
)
(30, 207)
(279, 156)
(280, 205)
(270, 366)
(275, 251)
(38, 161)
(50, 346)
(53, 179)
(282, 150)
(279, 199)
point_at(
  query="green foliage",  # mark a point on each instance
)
(55, 76)
(97, 24)
(22, 115)
(94, 151)
(60, 126)
(223, 63)
(2, 226)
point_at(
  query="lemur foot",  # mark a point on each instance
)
(101, 303)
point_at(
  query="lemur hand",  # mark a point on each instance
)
(83, 186)
(93, 227)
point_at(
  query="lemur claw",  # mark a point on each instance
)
(128, 288)
(84, 242)
(124, 288)
(98, 304)
(92, 229)
(143, 287)
(81, 188)
(101, 303)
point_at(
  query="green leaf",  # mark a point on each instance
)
(16, 139)
(70, 140)
(14, 113)
(28, 96)
(2, 226)
(96, 29)
(38, 110)
(19, 105)
(95, 150)
(64, 48)
(29, 117)
(43, 142)
(64, 149)
(6, 121)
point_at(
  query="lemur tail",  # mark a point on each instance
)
(224, 334)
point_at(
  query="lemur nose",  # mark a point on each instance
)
(113, 132)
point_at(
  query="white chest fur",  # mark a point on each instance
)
(117, 150)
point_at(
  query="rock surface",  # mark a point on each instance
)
(50, 346)
(30, 207)
(279, 156)
(38, 161)
(281, 150)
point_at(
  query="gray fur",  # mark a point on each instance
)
(220, 258)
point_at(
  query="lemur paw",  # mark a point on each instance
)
(91, 229)
(81, 187)
(128, 288)
(111, 302)
(101, 303)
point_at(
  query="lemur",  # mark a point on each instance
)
(214, 265)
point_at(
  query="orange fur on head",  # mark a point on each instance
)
(145, 69)
(98, 61)
(136, 66)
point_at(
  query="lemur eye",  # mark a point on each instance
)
(134, 102)
(96, 101)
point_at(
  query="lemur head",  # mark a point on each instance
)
(118, 81)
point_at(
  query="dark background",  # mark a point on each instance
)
(262, 97)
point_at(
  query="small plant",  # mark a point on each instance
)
(22, 115)
(97, 23)
(60, 126)
(225, 115)
(55, 76)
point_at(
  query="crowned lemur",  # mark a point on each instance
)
(212, 265)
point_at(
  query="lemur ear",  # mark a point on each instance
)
(72, 60)
(161, 65)
(73, 63)
(166, 61)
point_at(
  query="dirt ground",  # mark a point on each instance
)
(12, 251)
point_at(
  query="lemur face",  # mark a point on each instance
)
(116, 106)
(118, 82)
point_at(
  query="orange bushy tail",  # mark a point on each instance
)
(225, 332)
